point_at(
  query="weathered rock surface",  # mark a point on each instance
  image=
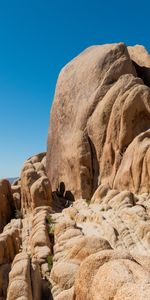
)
(16, 192)
(111, 275)
(6, 203)
(98, 246)
(20, 279)
(35, 185)
(141, 60)
(98, 149)
(27, 234)
(41, 246)
(102, 248)
(10, 242)
(133, 173)
(109, 106)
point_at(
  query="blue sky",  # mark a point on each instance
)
(37, 38)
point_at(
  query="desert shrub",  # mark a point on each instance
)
(50, 261)
(49, 219)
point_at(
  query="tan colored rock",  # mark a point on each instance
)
(19, 279)
(109, 106)
(16, 192)
(124, 124)
(10, 242)
(41, 193)
(35, 185)
(85, 247)
(113, 219)
(72, 246)
(98, 154)
(24, 279)
(63, 274)
(66, 295)
(133, 173)
(72, 155)
(40, 243)
(105, 274)
(141, 60)
(140, 55)
(6, 203)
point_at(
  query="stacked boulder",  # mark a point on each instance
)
(76, 224)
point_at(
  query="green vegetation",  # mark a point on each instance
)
(51, 229)
(49, 219)
(50, 222)
(50, 261)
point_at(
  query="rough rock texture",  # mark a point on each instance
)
(104, 243)
(141, 60)
(6, 203)
(98, 246)
(109, 107)
(20, 281)
(41, 246)
(10, 243)
(35, 185)
(111, 275)
(98, 149)
(16, 192)
(71, 247)
(133, 173)
(28, 233)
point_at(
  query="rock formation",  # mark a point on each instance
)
(35, 186)
(6, 203)
(100, 106)
(75, 225)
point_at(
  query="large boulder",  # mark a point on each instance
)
(111, 275)
(6, 203)
(10, 242)
(100, 106)
(20, 279)
(133, 173)
(35, 185)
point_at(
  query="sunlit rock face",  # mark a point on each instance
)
(98, 148)
(98, 246)
(100, 115)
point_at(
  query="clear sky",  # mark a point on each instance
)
(37, 38)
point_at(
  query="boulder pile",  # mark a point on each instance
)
(76, 224)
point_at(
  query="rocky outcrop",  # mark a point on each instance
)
(102, 248)
(26, 239)
(109, 106)
(35, 185)
(20, 280)
(72, 246)
(6, 203)
(98, 246)
(133, 173)
(10, 243)
(98, 149)
(112, 275)
(16, 192)
(40, 243)
(141, 60)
